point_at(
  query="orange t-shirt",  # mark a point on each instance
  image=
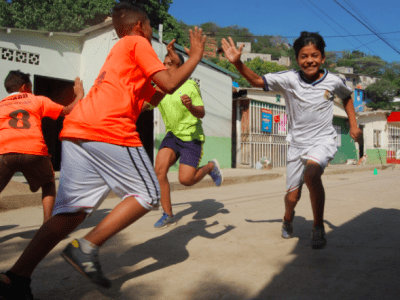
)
(111, 108)
(21, 123)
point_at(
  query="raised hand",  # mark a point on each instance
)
(78, 88)
(197, 43)
(172, 53)
(231, 52)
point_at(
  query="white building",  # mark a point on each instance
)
(54, 59)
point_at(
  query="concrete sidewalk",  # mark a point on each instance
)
(17, 194)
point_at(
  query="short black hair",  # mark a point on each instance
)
(182, 60)
(307, 38)
(125, 17)
(16, 79)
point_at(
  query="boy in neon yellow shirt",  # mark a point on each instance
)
(182, 113)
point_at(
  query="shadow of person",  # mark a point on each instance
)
(204, 209)
(29, 234)
(7, 227)
(167, 250)
(361, 261)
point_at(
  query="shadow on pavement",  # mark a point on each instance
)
(204, 209)
(167, 250)
(361, 261)
(29, 234)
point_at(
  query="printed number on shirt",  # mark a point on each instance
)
(19, 119)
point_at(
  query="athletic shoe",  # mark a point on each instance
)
(287, 228)
(216, 173)
(13, 290)
(318, 240)
(87, 264)
(165, 221)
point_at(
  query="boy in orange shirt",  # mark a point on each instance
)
(101, 151)
(22, 146)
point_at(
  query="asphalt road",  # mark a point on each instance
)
(227, 245)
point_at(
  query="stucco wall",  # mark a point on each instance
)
(59, 55)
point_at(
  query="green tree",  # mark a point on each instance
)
(54, 15)
(257, 65)
(381, 91)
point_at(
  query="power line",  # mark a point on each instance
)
(368, 27)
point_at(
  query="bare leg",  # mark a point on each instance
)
(165, 159)
(123, 215)
(291, 199)
(312, 178)
(189, 175)
(45, 239)
(48, 199)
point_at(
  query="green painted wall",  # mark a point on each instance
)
(348, 149)
(214, 147)
(373, 156)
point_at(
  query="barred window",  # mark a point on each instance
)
(377, 138)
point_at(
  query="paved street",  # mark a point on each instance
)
(227, 245)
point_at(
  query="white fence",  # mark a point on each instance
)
(256, 143)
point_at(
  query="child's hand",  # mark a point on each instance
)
(231, 52)
(78, 88)
(356, 134)
(187, 101)
(197, 42)
(172, 53)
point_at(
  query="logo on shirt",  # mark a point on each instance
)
(328, 95)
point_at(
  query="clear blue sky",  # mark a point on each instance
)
(289, 17)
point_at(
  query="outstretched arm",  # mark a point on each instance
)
(208, 235)
(355, 132)
(233, 55)
(170, 80)
(79, 93)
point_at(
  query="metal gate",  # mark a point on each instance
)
(393, 150)
(256, 143)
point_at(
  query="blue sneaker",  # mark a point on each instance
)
(216, 173)
(165, 221)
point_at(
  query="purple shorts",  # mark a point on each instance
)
(189, 152)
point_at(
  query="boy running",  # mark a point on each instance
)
(309, 97)
(182, 113)
(101, 151)
(22, 146)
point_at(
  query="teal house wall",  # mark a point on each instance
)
(348, 148)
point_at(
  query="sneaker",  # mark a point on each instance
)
(216, 173)
(287, 228)
(13, 290)
(318, 240)
(165, 221)
(87, 264)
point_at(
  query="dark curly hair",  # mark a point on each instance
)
(307, 38)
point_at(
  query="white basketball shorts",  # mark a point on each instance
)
(297, 159)
(90, 170)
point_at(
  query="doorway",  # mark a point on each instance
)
(62, 92)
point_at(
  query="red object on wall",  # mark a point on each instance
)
(277, 118)
(394, 117)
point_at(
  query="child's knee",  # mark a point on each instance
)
(293, 196)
